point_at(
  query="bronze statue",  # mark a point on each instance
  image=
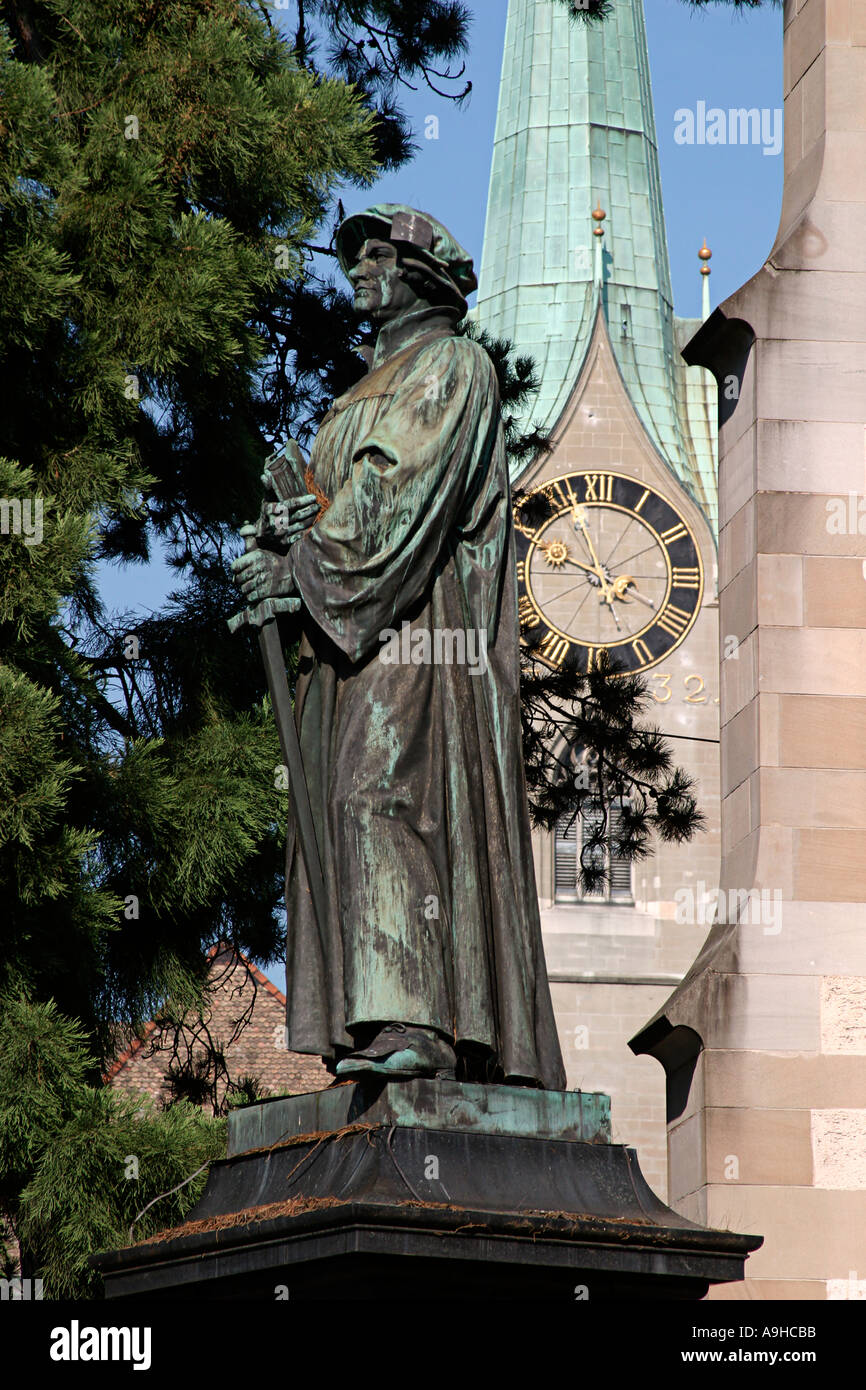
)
(429, 961)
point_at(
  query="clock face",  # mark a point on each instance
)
(615, 568)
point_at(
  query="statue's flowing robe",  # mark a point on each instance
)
(415, 771)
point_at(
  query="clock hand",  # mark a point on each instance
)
(619, 587)
(581, 521)
(641, 598)
(607, 592)
(566, 558)
(622, 584)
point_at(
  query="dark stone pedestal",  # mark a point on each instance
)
(428, 1189)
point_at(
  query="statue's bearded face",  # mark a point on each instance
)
(381, 289)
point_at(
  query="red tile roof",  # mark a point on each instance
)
(258, 1050)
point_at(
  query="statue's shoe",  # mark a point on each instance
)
(401, 1051)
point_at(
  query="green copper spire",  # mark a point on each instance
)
(575, 126)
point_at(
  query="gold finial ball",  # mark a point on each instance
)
(705, 253)
(598, 216)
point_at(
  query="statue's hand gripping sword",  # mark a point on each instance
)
(284, 482)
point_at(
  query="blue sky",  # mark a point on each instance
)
(730, 194)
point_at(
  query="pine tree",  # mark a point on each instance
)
(162, 168)
(84, 1168)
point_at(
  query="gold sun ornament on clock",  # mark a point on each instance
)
(556, 553)
(613, 567)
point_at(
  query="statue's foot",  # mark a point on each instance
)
(402, 1052)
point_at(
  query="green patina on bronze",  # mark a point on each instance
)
(415, 771)
(579, 1116)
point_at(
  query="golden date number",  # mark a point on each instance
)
(695, 689)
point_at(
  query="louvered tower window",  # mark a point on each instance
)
(572, 834)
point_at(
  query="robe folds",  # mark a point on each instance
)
(407, 706)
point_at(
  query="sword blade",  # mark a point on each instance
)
(278, 687)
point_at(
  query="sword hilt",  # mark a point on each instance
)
(269, 608)
(263, 612)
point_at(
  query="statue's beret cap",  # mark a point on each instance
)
(421, 239)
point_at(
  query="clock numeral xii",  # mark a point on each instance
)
(598, 487)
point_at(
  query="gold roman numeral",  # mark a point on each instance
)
(560, 494)
(554, 648)
(598, 487)
(641, 651)
(526, 612)
(674, 533)
(641, 500)
(688, 578)
(521, 571)
(592, 656)
(674, 620)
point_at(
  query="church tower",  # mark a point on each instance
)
(575, 273)
(764, 1041)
